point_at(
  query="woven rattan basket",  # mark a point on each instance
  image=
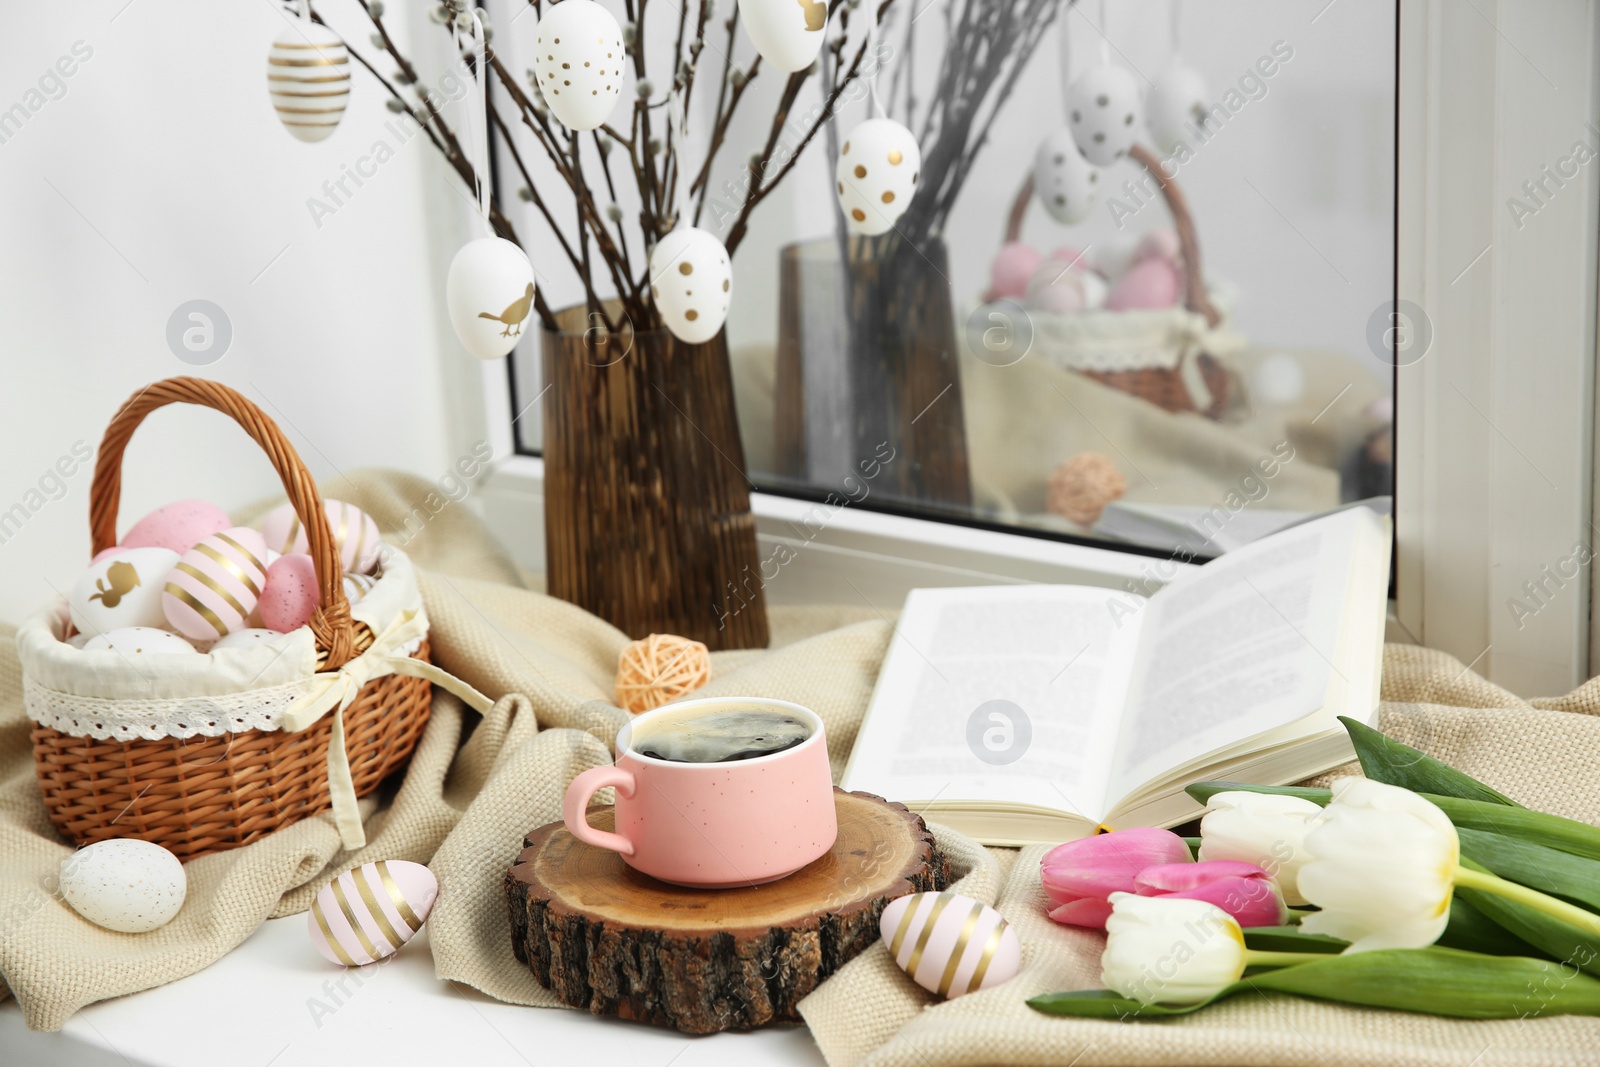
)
(198, 795)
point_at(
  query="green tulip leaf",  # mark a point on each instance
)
(1384, 759)
(1522, 824)
(1204, 791)
(1552, 937)
(1473, 931)
(1548, 870)
(1290, 939)
(1434, 981)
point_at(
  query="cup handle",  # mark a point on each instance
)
(575, 807)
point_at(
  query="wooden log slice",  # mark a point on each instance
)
(613, 941)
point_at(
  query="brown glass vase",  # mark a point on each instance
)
(868, 356)
(647, 503)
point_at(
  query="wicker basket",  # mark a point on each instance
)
(203, 794)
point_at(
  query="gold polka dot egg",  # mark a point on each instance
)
(578, 61)
(876, 176)
(950, 944)
(787, 33)
(308, 76)
(691, 280)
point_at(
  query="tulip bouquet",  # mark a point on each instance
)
(1416, 888)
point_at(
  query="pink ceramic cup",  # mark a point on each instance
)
(713, 825)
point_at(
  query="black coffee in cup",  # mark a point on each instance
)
(722, 736)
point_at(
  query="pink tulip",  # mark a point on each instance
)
(1243, 890)
(1079, 875)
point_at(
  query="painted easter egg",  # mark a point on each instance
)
(177, 526)
(1103, 113)
(368, 913)
(578, 61)
(1176, 110)
(1065, 182)
(489, 293)
(1278, 381)
(360, 546)
(1161, 243)
(248, 638)
(215, 586)
(357, 586)
(876, 175)
(950, 944)
(691, 280)
(123, 589)
(308, 76)
(1151, 283)
(140, 641)
(1113, 255)
(787, 33)
(124, 885)
(290, 597)
(1013, 265)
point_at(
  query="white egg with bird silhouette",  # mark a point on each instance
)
(691, 281)
(876, 176)
(489, 293)
(308, 77)
(578, 62)
(123, 589)
(1065, 182)
(1176, 111)
(1103, 113)
(787, 33)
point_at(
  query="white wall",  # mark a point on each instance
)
(161, 175)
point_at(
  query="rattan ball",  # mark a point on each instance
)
(1082, 486)
(659, 668)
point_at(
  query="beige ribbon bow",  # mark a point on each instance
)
(335, 690)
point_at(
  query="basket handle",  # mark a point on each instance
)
(330, 623)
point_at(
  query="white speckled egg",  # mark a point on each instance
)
(308, 75)
(124, 885)
(950, 944)
(876, 175)
(578, 61)
(215, 586)
(1103, 113)
(691, 280)
(249, 638)
(787, 33)
(368, 913)
(122, 590)
(1065, 182)
(139, 641)
(489, 293)
(354, 532)
(1175, 107)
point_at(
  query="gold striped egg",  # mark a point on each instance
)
(214, 588)
(308, 76)
(367, 913)
(354, 532)
(950, 944)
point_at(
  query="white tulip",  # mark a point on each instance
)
(1260, 828)
(1168, 950)
(1383, 865)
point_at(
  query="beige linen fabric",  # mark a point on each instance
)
(477, 785)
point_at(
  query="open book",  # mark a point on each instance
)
(1035, 713)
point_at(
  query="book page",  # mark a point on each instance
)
(1008, 694)
(1246, 644)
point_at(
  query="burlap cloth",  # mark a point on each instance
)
(463, 808)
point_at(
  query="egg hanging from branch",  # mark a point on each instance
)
(578, 61)
(876, 176)
(1064, 181)
(787, 33)
(489, 293)
(1103, 113)
(308, 76)
(1176, 110)
(691, 280)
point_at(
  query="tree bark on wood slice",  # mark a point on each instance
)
(613, 941)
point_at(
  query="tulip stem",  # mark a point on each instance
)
(1588, 921)
(1261, 958)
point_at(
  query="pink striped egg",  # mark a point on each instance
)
(368, 913)
(950, 944)
(215, 586)
(353, 531)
